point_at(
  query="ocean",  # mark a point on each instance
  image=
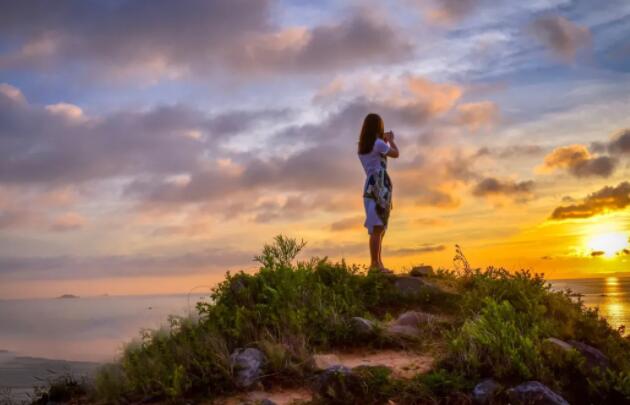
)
(41, 338)
(44, 338)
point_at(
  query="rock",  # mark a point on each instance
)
(414, 318)
(362, 327)
(534, 393)
(485, 391)
(403, 331)
(594, 357)
(413, 286)
(421, 271)
(247, 365)
(324, 361)
(559, 344)
(338, 385)
(266, 401)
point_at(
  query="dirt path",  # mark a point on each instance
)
(404, 364)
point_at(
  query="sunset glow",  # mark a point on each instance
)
(610, 244)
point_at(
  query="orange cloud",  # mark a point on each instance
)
(579, 161)
(606, 199)
(476, 116)
(440, 97)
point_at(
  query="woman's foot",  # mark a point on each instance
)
(380, 269)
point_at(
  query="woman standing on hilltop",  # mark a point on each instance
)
(375, 145)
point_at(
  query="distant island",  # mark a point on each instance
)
(67, 296)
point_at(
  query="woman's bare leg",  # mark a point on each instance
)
(375, 247)
(380, 248)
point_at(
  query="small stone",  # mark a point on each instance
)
(485, 391)
(362, 327)
(247, 365)
(266, 401)
(337, 384)
(534, 393)
(594, 357)
(414, 318)
(421, 271)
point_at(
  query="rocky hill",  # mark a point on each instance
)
(318, 332)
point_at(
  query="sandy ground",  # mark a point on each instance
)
(404, 364)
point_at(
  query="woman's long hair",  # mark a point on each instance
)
(373, 128)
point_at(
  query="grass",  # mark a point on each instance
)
(288, 309)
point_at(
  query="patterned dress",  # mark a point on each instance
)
(378, 187)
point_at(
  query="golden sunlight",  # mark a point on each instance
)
(609, 244)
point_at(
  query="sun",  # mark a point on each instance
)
(609, 244)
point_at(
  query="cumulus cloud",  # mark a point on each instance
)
(579, 161)
(620, 144)
(145, 38)
(562, 36)
(491, 186)
(360, 39)
(607, 199)
(58, 144)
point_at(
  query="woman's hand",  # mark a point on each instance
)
(393, 148)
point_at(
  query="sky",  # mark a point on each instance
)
(149, 146)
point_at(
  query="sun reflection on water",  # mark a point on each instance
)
(612, 307)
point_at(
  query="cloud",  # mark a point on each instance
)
(562, 36)
(361, 39)
(425, 248)
(118, 36)
(451, 11)
(620, 144)
(59, 144)
(604, 200)
(69, 221)
(93, 267)
(145, 39)
(476, 116)
(578, 161)
(347, 224)
(491, 186)
(511, 151)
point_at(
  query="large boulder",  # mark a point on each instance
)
(534, 393)
(248, 366)
(413, 287)
(404, 332)
(594, 357)
(485, 392)
(421, 271)
(337, 385)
